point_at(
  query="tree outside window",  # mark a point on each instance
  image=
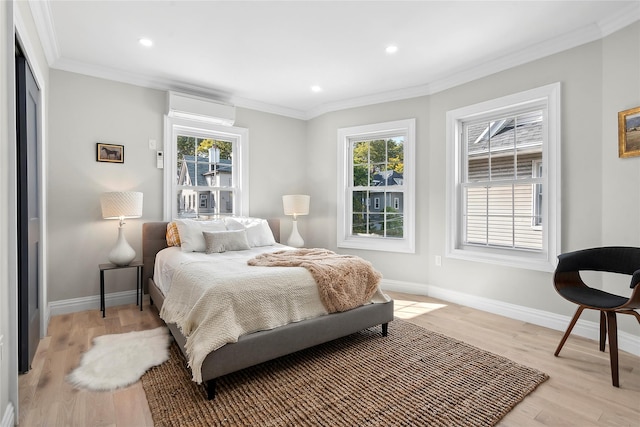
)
(377, 209)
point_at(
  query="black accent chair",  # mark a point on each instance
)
(569, 284)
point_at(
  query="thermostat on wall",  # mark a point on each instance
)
(159, 159)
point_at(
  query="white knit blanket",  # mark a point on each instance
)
(214, 308)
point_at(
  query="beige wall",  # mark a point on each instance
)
(620, 177)
(277, 147)
(620, 203)
(289, 155)
(86, 110)
(600, 192)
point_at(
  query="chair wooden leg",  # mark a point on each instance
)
(613, 346)
(631, 312)
(571, 325)
(603, 330)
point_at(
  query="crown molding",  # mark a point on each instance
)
(519, 57)
(137, 79)
(376, 98)
(43, 18)
(567, 41)
(172, 85)
(624, 18)
(252, 104)
(590, 33)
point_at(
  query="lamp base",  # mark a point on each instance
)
(122, 254)
(295, 239)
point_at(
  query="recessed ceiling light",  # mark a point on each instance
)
(146, 42)
(316, 88)
(391, 49)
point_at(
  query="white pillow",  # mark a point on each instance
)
(190, 231)
(222, 241)
(258, 231)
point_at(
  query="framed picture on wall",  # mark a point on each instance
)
(629, 133)
(109, 153)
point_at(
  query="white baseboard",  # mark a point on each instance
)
(8, 419)
(90, 303)
(584, 328)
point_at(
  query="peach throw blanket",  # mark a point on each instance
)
(344, 281)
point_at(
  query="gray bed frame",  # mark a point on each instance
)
(258, 347)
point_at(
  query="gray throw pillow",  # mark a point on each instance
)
(222, 241)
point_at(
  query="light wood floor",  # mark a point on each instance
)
(578, 393)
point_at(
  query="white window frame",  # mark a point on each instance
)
(536, 172)
(174, 126)
(546, 98)
(345, 239)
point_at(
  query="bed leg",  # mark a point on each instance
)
(150, 300)
(385, 329)
(210, 386)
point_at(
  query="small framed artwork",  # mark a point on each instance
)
(629, 133)
(109, 153)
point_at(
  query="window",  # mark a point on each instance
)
(204, 201)
(376, 179)
(205, 172)
(503, 175)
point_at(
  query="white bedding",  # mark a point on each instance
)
(168, 259)
(202, 298)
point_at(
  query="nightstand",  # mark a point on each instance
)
(134, 264)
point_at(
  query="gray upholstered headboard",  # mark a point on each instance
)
(154, 240)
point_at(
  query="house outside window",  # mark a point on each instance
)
(204, 201)
(205, 172)
(204, 162)
(503, 162)
(376, 194)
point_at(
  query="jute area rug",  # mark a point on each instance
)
(413, 377)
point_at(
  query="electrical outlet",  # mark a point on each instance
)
(438, 260)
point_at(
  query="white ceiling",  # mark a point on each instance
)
(267, 54)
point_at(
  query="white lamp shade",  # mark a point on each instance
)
(121, 204)
(296, 204)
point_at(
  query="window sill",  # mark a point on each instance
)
(378, 244)
(533, 261)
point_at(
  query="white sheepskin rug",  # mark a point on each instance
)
(117, 360)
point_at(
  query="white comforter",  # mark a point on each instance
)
(214, 299)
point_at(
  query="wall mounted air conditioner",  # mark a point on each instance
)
(193, 107)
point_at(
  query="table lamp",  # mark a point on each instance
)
(295, 204)
(121, 205)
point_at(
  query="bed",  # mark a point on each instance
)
(257, 347)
